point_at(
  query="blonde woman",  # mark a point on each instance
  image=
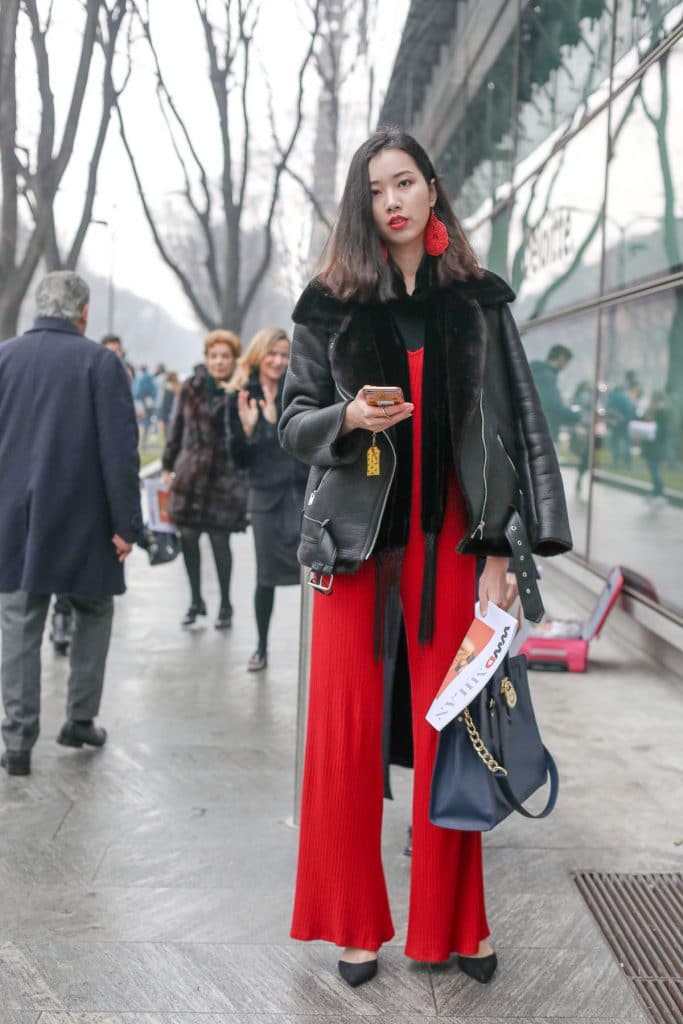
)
(208, 493)
(276, 480)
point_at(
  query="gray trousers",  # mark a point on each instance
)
(22, 619)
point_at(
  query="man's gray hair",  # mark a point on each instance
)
(62, 294)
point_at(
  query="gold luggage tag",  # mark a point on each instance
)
(373, 458)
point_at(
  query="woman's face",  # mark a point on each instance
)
(220, 361)
(402, 199)
(275, 362)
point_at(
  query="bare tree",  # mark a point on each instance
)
(217, 210)
(343, 41)
(31, 176)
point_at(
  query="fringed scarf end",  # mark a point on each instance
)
(426, 631)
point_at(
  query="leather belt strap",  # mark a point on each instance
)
(525, 570)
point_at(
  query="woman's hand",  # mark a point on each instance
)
(495, 585)
(361, 416)
(166, 477)
(247, 410)
(269, 408)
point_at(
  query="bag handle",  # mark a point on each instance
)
(554, 777)
(500, 773)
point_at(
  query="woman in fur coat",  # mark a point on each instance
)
(208, 492)
(401, 500)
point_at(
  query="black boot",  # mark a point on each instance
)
(75, 734)
(16, 762)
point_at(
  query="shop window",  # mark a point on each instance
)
(644, 222)
(562, 359)
(637, 499)
(555, 241)
(564, 65)
(641, 27)
(479, 156)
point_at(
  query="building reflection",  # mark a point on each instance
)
(558, 129)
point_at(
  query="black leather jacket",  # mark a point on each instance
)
(503, 453)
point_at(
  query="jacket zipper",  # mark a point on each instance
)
(323, 478)
(514, 468)
(482, 521)
(368, 548)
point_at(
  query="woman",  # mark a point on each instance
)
(208, 494)
(276, 481)
(393, 492)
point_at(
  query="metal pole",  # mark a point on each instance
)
(302, 692)
(110, 295)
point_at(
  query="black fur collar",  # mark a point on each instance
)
(318, 308)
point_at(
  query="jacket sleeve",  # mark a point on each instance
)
(117, 438)
(313, 414)
(551, 534)
(175, 438)
(236, 439)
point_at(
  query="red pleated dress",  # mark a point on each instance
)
(341, 893)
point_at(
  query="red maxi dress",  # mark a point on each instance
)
(341, 893)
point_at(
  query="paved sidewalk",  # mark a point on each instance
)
(150, 883)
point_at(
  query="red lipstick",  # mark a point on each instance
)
(396, 223)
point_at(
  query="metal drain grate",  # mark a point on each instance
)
(641, 917)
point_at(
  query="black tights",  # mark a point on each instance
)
(263, 606)
(222, 556)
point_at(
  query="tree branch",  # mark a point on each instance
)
(264, 263)
(180, 274)
(110, 94)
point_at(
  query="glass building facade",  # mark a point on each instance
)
(558, 127)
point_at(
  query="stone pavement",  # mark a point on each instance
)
(150, 883)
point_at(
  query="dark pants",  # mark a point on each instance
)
(22, 617)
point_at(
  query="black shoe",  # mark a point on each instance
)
(357, 974)
(75, 734)
(257, 662)
(481, 968)
(224, 620)
(192, 612)
(16, 762)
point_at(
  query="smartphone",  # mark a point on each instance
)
(382, 396)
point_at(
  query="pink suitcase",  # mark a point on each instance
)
(562, 644)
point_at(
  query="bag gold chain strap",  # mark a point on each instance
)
(484, 754)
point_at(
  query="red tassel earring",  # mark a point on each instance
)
(384, 252)
(435, 236)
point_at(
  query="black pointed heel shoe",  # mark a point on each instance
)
(224, 620)
(481, 968)
(357, 974)
(192, 612)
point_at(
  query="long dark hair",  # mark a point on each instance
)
(353, 265)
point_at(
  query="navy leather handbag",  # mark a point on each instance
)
(491, 758)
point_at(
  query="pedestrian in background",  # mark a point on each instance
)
(115, 345)
(276, 480)
(166, 404)
(654, 449)
(208, 493)
(145, 395)
(401, 499)
(69, 508)
(545, 373)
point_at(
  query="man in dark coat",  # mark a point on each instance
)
(545, 374)
(69, 508)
